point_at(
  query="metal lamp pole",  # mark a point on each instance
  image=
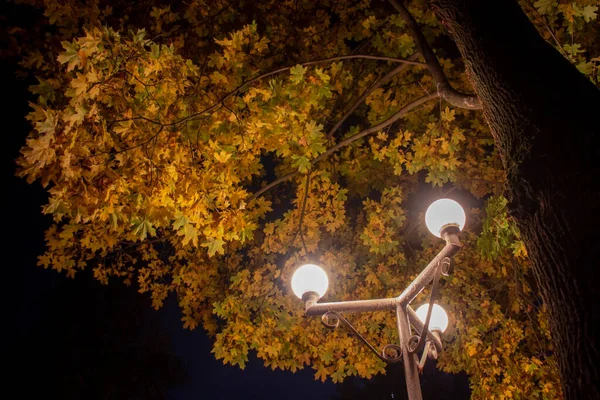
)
(427, 341)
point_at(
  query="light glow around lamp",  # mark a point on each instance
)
(443, 213)
(309, 278)
(438, 320)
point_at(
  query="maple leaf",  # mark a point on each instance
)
(545, 6)
(302, 163)
(214, 246)
(143, 229)
(70, 55)
(322, 374)
(189, 322)
(186, 229)
(222, 156)
(297, 73)
(79, 84)
(588, 12)
(448, 115)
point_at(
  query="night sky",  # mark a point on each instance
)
(76, 338)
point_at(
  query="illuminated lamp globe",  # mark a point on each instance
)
(438, 320)
(309, 278)
(442, 214)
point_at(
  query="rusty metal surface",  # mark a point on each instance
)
(353, 306)
(411, 366)
(427, 275)
(405, 316)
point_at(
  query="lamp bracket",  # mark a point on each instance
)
(390, 353)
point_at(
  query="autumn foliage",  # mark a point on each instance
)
(204, 150)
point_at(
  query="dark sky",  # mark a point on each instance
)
(75, 339)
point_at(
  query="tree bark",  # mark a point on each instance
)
(543, 115)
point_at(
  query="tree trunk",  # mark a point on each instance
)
(544, 116)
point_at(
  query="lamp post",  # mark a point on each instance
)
(444, 218)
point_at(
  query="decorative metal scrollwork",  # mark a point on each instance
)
(413, 343)
(390, 353)
(446, 265)
(330, 319)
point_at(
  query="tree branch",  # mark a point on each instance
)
(444, 88)
(536, 12)
(302, 211)
(370, 90)
(277, 71)
(402, 112)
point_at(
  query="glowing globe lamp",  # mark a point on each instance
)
(438, 320)
(442, 214)
(309, 278)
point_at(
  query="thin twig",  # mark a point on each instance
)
(277, 71)
(547, 27)
(402, 112)
(367, 92)
(141, 144)
(302, 210)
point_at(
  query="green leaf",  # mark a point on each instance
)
(338, 376)
(186, 229)
(545, 6)
(586, 68)
(327, 356)
(297, 73)
(155, 51)
(322, 75)
(302, 163)
(180, 221)
(588, 12)
(214, 246)
(44, 89)
(143, 229)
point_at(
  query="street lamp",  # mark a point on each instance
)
(444, 213)
(444, 218)
(311, 280)
(439, 318)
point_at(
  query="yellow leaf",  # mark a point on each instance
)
(222, 156)
(79, 84)
(472, 350)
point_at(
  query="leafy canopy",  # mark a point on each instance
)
(156, 125)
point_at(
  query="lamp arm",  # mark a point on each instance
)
(331, 319)
(416, 286)
(434, 292)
